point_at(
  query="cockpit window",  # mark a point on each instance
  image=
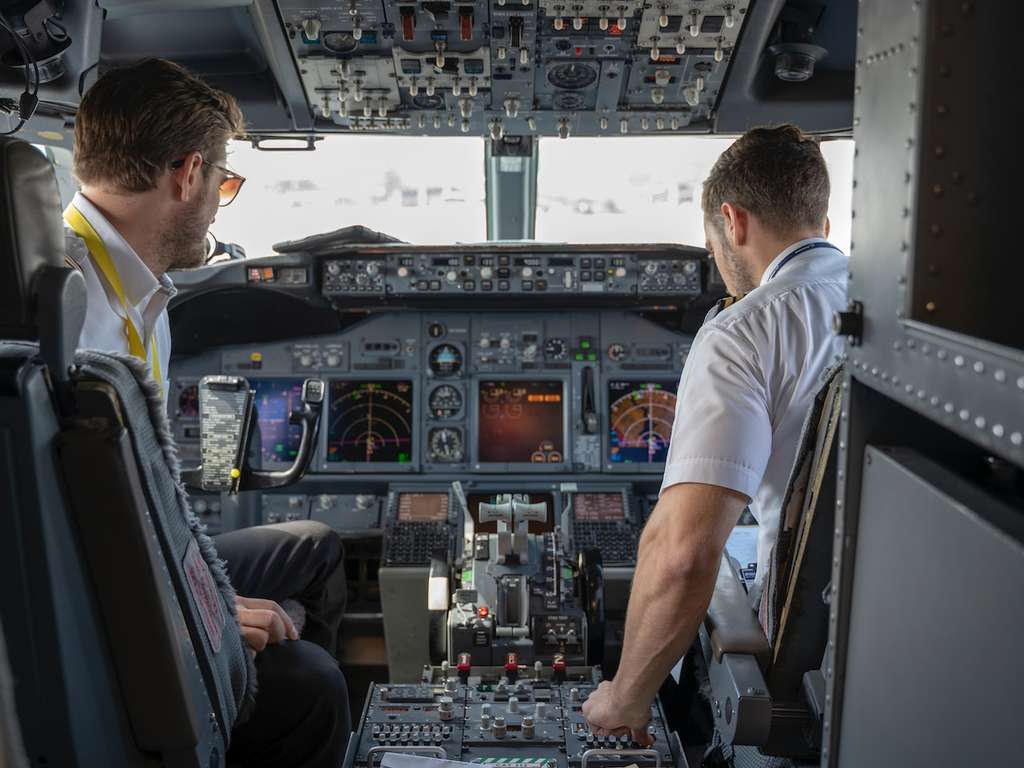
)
(416, 190)
(647, 189)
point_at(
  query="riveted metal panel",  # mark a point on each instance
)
(932, 258)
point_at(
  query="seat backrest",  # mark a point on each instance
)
(114, 591)
(793, 611)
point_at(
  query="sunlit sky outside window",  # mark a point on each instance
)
(642, 190)
(418, 190)
(431, 191)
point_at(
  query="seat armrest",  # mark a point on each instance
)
(731, 623)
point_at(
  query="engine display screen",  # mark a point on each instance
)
(521, 422)
(423, 507)
(275, 400)
(370, 422)
(598, 507)
(640, 417)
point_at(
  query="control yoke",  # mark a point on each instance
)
(226, 418)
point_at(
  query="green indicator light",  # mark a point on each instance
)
(585, 344)
(579, 356)
(591, 356)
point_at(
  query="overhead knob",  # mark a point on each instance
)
(372, 268)
(505, 342)
(364, 501)
(513, 704)
(500, 727)
(528, 727)
(326, 502)
(311, 29)
(486, 273)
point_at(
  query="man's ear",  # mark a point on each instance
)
(187, 180)
(736, 222)
(828, 226)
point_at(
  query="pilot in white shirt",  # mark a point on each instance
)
(136, 299)
(750, 379)
(748, 383)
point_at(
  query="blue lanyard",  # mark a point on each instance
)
(802, 249)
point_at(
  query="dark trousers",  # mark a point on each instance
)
(302, 713)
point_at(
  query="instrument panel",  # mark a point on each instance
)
(589, 392)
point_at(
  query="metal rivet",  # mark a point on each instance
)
(979, 367)
(958, 361)
(874, 372)
(1020, 383)
(997, 430)
(909, 389)
(942, 354)
(937, 190)
(911, 344)
(948, 407)
(934, 401)
(895, 381)
(980, 422)
(930, 306)
(940, 151)
(921, 394)
(1017, 438)
(965, 415)
(1000, 376)
(926, 349)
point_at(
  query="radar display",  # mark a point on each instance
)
(275, 400)
(370, 422)
(640, 417)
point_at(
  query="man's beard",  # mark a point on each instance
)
(740, 272)
(184, 240)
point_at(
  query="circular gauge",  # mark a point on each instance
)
(569, 101)
(339, 42)
(617, 352)
(422, 101)
(188, 403)
(555, 349)
(445, 402)
(572, 76)
(445, 360)
(445, 445)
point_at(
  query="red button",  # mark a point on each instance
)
(483, 611)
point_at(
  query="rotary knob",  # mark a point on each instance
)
(306, 361)
(451, 276)
(650, 267)
(505, 342)
(333, 360)
(486, 273)
(485, 342)
(372, 268)
(333, 268)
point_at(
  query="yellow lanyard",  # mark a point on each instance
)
(81, 227)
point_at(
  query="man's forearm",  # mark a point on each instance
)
(666, 606)
(677, 567)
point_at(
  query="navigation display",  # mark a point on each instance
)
(521, 422)
(640, 417)
(598, 507)
(370, 422)
(275, 400)
(423, 507)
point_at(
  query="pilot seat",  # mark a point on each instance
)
(763, 665)
(119, 620)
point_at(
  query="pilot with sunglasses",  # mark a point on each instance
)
(150, 155)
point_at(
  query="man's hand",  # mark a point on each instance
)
(263, 623)
(609, 713)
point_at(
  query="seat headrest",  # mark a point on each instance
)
(31, 233)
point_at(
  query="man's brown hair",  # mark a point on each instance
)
(137, 119)
(778, 174)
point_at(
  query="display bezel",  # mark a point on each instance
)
(606, 439)
(518, 466)
(343, 467)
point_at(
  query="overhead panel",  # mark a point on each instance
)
(509, 67)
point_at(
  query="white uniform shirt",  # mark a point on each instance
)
(146, 294)
(749, 382)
